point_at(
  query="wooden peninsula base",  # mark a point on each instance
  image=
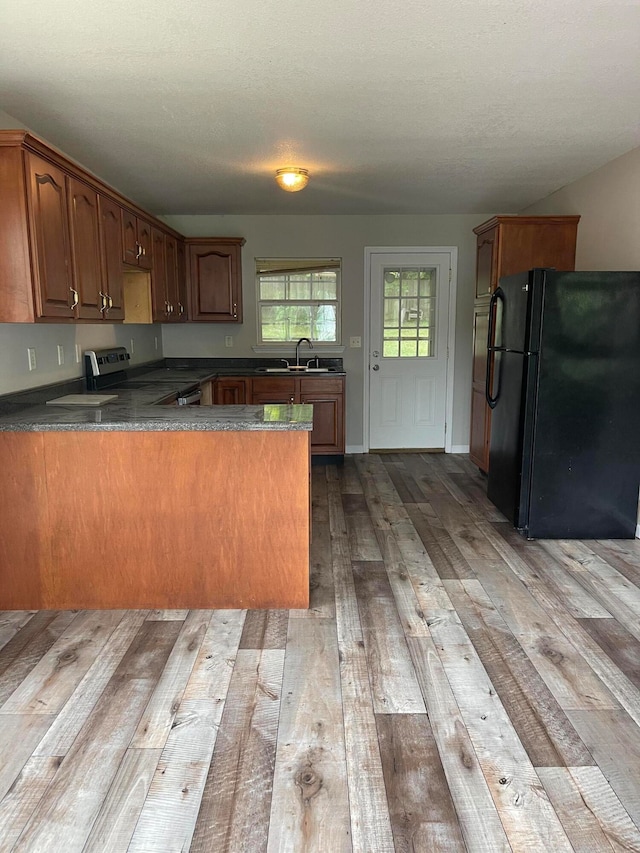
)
(154, 520)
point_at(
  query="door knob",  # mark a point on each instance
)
(376, 367)
(375, 353)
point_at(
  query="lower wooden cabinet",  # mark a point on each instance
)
(327, 398)
(326, 395)
(480, 412)
(231, 392)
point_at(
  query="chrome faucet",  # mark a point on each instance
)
(298, 349)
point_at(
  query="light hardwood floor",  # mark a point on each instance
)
(452, 687)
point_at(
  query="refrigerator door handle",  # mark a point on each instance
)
(491, 348)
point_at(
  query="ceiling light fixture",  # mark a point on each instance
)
(292, 178)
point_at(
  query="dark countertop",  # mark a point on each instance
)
(138, 406)
(136, 409)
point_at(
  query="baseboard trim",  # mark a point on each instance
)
(354, 448)
(459, 448)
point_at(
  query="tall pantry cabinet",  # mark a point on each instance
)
(507, 245)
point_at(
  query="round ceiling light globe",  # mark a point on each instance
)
(292, 179)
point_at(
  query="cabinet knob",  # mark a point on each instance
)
(291, 399)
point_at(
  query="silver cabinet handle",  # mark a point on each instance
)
(235, 310)
(180, 308)
(167, 308)
(110, 302)
(76, 298)
(139, 251)
(376, 367)
(103, 300)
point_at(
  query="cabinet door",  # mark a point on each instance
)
(85, 250)
(215, 282)
(111, 252)
(130, 246)
(160, 304)
(480, 412)
(50, 228)
(181, 264)
(231, 391)
(144, 239)
(480, 429)
(136, 241)
(281, 390)
(171, 260)
(327, 398)
(487, 263)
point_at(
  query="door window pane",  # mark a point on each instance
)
(409, 312)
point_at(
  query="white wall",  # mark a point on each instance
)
(345, 237)
(15, 338)
(608, 201)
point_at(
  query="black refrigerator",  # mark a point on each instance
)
(563, 381)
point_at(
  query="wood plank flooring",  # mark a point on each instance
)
(452, 687)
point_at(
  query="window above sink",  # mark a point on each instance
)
(298, 298)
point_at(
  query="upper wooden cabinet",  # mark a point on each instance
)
(215, 279)
(66, 238)
(181, 267)
(136, 241)
(85, 250)
(506, 245)
(511, 244)
(111, 253)
(56, 296)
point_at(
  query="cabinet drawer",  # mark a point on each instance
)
(321, 386)
(275, 385)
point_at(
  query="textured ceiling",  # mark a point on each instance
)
(395, 106)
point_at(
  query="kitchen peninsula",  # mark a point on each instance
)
(133, 505)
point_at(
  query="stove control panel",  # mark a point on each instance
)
(101, 362)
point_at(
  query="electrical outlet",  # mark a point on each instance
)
(31, 354)
(60, 355)
(132, 348)
(355, 342)
(78, 353)
(155, 340)
(228, 340)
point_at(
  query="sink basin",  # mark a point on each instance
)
(298, 369)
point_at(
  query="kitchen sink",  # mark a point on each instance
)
(296, 369)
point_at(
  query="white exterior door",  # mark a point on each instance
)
(408, 349)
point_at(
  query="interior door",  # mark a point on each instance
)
(409, 323)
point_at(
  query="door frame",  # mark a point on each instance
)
(452, 251)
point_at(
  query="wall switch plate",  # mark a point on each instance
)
(60, 355)
(355, 342)
(78, 353)
(31, 354)
(155, 340)
(132, 348)
(228, 340)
